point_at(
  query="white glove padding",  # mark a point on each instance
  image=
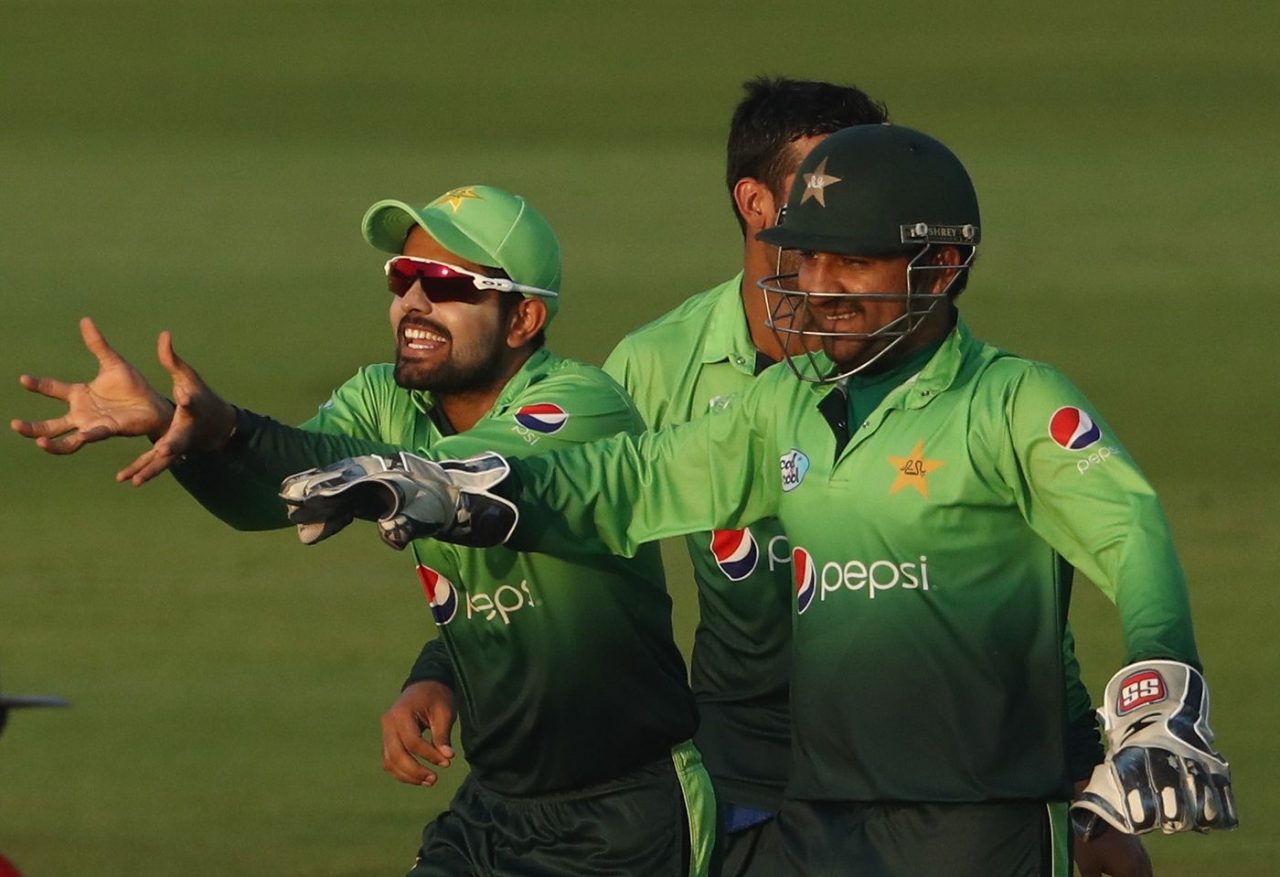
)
(410, 497)
(1160, 770)
(322, 501)
(472, 515)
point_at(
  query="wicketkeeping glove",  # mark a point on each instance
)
(1160, 770)
(410, 497)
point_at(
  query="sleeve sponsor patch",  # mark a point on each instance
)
(1072, 428)
(543, 417)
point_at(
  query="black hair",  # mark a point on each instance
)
(776, 112)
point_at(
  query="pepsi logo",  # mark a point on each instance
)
(1073, 429)
(440, 593)
(543, 417)
(806, 578)
(736, 553)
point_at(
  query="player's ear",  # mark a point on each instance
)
(755, 204)
(528, 318)
(950, 257)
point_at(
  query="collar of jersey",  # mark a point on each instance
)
(534, 367)
(940, 372)
(726, 336)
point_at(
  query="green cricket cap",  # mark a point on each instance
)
(878, 190)
(481, 224)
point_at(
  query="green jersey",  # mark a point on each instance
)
(929, 550)
(566, 668)
(676, 369)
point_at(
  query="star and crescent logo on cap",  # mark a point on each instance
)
(455, 197)
(815, 184)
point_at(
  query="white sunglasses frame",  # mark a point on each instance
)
(480, 281)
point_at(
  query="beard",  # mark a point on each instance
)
(474, 367)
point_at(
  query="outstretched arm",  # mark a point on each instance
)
(613, 494)
(192, 434)
(201, 419)
(118, 401)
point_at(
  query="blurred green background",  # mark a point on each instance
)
(202, 167)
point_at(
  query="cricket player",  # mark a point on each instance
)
(933, 489)
(693, 359)
(576, 714)
(690, 361)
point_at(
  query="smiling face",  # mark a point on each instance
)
(451, 347)
(859, 307)
(848, 317)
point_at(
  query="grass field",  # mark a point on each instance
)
(202, 167)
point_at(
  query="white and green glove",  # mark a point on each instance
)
(1161, 770)
(410, 498)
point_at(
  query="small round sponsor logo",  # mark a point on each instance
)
(543, 417)
(1073, 429)
(794, 465)
(806, 578)
(736, 553)
(440, 593)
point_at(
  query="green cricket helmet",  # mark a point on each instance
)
(880, 191)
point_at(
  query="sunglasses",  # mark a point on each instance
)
(442, 282)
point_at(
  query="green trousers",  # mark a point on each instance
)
(655, 821)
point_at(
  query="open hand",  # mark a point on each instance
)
(117, 402)
(202, 420)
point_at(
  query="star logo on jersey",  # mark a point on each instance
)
(440, 593)
(815, 184)
(913, 470)
(543, 417)
(455, 197)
